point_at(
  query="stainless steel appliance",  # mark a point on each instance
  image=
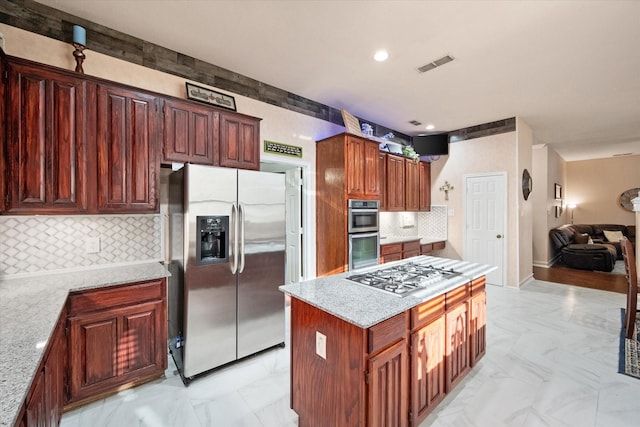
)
(227, 235)
(363, 236)
(403, 279)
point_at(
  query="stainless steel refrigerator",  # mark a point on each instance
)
(227, 231)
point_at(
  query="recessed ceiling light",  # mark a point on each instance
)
(381, 55)
(430, 127)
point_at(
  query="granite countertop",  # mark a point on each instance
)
(29, 310)
(365, 307)
(390, 240)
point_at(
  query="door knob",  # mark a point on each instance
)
(499, 236)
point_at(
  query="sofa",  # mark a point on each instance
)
(590, 246)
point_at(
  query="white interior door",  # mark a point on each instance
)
(485, 214)
(293, 195)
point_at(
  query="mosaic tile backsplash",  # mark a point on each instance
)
(35, 244)
(420, 224)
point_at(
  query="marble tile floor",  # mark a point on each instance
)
(552, 360)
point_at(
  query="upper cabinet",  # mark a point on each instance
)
(411, 191)
(395, 181)
(424, 186)
(46, 140)
(128, 134)
(190, 133)
(362, 169)
(239, 141)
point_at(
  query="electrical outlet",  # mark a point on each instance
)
(321, 345)
(92, 245)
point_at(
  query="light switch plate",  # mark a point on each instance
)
(92, 245)
(321, 345)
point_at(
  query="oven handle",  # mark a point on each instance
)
(367, 210)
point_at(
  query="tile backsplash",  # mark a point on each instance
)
(420, 224)
(39, 244)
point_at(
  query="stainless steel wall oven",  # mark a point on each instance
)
(363, 233)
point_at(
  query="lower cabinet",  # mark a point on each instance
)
(427, 368)
(387, 387)
(117, 340)
(47, 394)
(478, 320)
(456, 345)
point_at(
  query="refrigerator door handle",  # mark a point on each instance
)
(234, 254)
(241, 212)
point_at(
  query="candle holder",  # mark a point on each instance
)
(79, 56)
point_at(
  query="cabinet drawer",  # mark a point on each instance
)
(426, 312)
(438, 245)
(409, 254)
(411, 246)
(456, 296)
(391, 257)
(114, 296)
(478, 285)
(387, 332)
(391, 249)
(426, 249)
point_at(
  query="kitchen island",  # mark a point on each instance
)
(364, 357)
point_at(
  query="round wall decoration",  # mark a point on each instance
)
(624, 200)
(527, 184)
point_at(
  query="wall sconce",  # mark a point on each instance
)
(79, 42)
(446, 188)
(572, 207)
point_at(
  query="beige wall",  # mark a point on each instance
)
(594, 186)
(495, 153)
(524, 136)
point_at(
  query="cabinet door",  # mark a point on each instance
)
(127, 150)
(190, 133)
(47, 113)
(457, 345)
(355, 168)
(427, 368)
(93, 353)
(425, 186)
(142, 339)
(382, 167)
(411, 177)
(387, 389)
(239, 141)
(478, 326)
(36, 413)
(371, 170)
(395, 183)
(54, 370)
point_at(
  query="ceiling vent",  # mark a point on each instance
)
(437, 63)
(415, 122)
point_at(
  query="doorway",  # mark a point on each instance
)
(297, 252)
(485, 222)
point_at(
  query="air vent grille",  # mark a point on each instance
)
(437, 63)
(415, 122)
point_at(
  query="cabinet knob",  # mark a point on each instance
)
(499, 236)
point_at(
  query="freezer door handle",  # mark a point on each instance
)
(241, 216)
(234, 227)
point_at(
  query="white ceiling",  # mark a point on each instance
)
(570, 69)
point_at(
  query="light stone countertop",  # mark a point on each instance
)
(29, 310)
(390, 240)
(365, 307)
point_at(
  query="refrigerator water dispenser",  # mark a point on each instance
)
(212, 242)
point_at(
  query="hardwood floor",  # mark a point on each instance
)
(586, 279)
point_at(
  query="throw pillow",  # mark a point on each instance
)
(612, 236)
(581, 238)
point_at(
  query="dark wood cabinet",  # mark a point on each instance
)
(427, 368)
(387, 404)
(127, 140)
(478, 320)
(411, 190)
(362, 168)
(427, 248)
(398, 251)
(117, 338)
(239, 141)
(395, 182)
(424, 186)
(457, 345)
(382, 164)
(191, 133)
(47, 147)
(47, 394)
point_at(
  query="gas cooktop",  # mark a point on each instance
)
(401, 280)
